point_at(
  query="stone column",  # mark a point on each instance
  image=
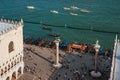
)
(21, 71)
(22, 68)
(57, 53)
(10, 78)
(57, 64)
(96, 73)
(97, 47)
(16, 74)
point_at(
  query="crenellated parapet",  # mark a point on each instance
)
(11, 21)
(8, 25)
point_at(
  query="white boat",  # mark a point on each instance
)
(74, 7)
(54, 11)
(74, 14)
(84, 10)
(30, 7)
(66, 8)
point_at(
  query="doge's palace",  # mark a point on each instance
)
(11, 49)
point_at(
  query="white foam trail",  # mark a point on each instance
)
(68, 14)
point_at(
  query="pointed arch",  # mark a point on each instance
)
(11, 47)
(15, 62)
(6, 69)
(8, 66)
(12, 64)
(19, 71)
(14, 76)
(2, 72)
(21, 58)
(8, 78)
(18, 60)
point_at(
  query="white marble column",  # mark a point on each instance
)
(57, 64)
(57, 53)
(16, 74)
(96, 73)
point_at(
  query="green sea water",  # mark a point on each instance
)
(103, 15)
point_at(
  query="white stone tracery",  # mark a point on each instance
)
(9, 68)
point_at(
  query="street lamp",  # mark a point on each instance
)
(96, 73)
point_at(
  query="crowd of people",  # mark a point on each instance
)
(76, 65)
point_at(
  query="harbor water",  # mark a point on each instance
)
(101, 16)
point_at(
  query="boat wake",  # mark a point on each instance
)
(84, 10)
(66, 8)
(74, 7)
(54, 11)
(30, 7)
(74, 14)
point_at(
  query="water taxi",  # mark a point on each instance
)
(30, 7)
(74, 14)
(74, 7)
(54, 11)
(66, 8)
(84, 10)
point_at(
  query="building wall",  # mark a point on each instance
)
(11, 63)
(16, 36)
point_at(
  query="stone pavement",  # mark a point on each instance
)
(76, 65)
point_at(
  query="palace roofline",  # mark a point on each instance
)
(8, 25)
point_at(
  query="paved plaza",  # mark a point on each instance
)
(75, 65)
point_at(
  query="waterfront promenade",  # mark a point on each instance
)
(76, 65)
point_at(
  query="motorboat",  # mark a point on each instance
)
(66, 8)
(74, 7)
(46, 28)
(54, 35)
(54, 11)
(84, 10)
(74, 14)
(30, 7)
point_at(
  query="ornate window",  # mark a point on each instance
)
(11, 47)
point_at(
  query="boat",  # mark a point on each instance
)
(74, 14)
(84, 10)
(54, 11)
(30, 7)
(46, 28)
(66, 8)
(81, 47)
(74, 7)
(54, 35)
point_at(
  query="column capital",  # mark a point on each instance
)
(57, 39)
(56, 42)
(97, 46)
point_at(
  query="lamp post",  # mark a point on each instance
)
(96, 73)
(57, 64)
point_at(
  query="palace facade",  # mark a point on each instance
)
(11, 49)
